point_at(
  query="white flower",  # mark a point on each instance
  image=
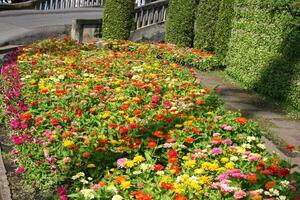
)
(282, 197)
(274, 192)
(285, 183)
(84, 181)
(88, 193)
(113, 188)
(234, 158)
(90, 178)
(117, 197)
(78, 175)
(259, 191)
(262, 146)
(251, 138)
(160, 173)
(136, 172)
(144, 167)
(246, 146)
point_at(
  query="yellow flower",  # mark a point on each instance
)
(91, 165)
(118, 89)
(178, 125)
(165, 179)
(129, 163)
(125, 185)
(214, 167)
(224, 160)
(204, 180)
(198, 171)
(185, 157)
(138, 159)
(68, 143)
(114, 142)
(178, 188)
(190, 163)
(105, 115)
(32, 81)
(229, 165)
(194, 185)
(54, 136)
(205, 165)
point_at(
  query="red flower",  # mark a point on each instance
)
(158, 167)
(290, 147)
(86, 154)
(252, 178)
(283, 172)
(160, 117)
(123, 130)
(167, 186)
(173, 160)
(54, 121)
(172, 153)
(152, 144)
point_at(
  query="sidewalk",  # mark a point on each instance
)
(281, 131)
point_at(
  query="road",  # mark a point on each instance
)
(16, 25)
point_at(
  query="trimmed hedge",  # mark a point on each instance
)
(223, 29)
(118, 19)
(205, 24)
(180, 22)
(264, 49)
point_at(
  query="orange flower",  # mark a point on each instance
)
(86, 154)
(158, 134)
(152, 144)
(138, 112)
(252, 178)
(241, 120)
(180, 197)
(270, 184)
(120, 179)
(189, 140)
(25, 116)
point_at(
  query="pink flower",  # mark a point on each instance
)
(216, 134)
(216, 151)
(20, 170)
(24, 125)
(228, 128)
(51, 160)
(121, 163)
(167, 104)
(67, 160)
(227, 141)
(239, 194)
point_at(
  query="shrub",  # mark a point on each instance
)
(263, 49)
(223, 29)
(180, 22)
(118, 19)
(205, 24)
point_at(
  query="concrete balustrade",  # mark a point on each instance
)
(150, 14)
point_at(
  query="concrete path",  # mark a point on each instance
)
(280, 130)
(17, 27)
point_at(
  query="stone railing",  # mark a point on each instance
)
(65, 4)
(150, 14)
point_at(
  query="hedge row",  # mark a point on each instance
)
(223, 29)
(118, 19)
(264, 49)
(205, 24)
(180, 22)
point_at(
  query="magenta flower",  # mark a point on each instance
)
(167, 104)
(14, 123)
(20, 170)
(217, 151)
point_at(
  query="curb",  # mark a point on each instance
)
(4, 185)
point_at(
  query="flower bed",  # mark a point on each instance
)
(127, 121)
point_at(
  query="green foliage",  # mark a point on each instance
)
(223, 29)
(206, 24)
(118, 19)
(180, 22)
(264, 49)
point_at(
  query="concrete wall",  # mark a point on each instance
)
(154, 33)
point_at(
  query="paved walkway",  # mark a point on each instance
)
(21, 25)
(279, 129)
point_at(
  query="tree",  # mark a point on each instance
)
(118, 19)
